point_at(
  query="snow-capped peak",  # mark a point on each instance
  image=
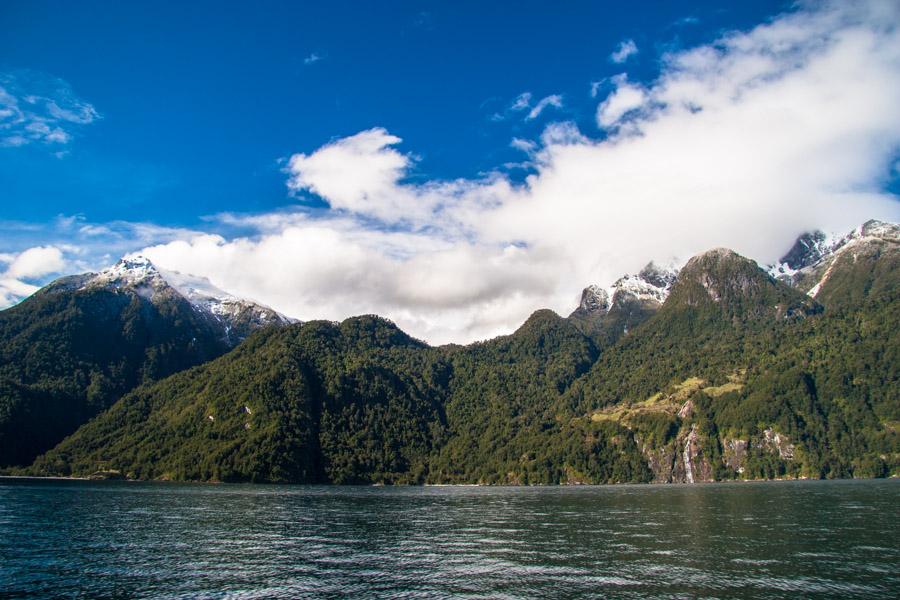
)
(134, 272)
(809, 248)
(813, 253)
(138, 274)
(201, 293)
(651, 284)
(129, 270)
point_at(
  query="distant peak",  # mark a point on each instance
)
(876, 228)
(649, 287)
(814, 251)
(136, 261)
(132, 269)
(594, 299)
(718, 253)
(807, 249)
(137, 274)
(658, 276)
(713, 259)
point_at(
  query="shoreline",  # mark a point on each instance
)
(442, 485)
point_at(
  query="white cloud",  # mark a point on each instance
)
(312, 59)
(624, 99)
(38, 108)
(686, 21)
(526, 146)
(625, 50)
(521, 102)
(555, 100)
(36, 262)
(742, 143)
(27, 265)
(359, 174)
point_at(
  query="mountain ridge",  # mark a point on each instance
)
(735, 375)
(77, 345)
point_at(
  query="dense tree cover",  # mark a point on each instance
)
(834, 383)
(750, 375)
(723, 312)
(355, 402)
(66, 355)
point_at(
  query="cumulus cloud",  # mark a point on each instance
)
(624, 99)
(38, 108)
(312, 59)
(745, 142)
(359, 174)
(625, 50)
(20, 268)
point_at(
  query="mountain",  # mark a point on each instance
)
(353, 402)
(233, 318)
(77, 345)
(807, 263)
(606, 314)
(729, 373)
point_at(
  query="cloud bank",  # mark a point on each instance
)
(745, 142)
(17, 269)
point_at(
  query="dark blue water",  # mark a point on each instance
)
(764, 540)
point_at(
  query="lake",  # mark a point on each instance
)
(837, 539)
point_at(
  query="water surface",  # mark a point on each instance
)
(836, 539)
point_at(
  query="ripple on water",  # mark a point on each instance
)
(107, 540)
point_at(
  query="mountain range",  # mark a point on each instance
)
(719, 370)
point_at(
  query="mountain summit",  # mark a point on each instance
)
(807, 264)
(607, 313)
(237, 317)
(75, 346)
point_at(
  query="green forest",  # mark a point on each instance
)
(737, 376)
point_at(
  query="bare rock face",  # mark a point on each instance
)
(660, 461)
(594, 300)
(777, 443)
(681, 461)
(735, 453)
(696, 464)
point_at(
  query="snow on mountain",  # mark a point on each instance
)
(650, 285)
(200, 292)
(807, 264)
(809, 248)
(137, 273)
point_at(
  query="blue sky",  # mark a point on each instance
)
(198, 102)
(350, 154)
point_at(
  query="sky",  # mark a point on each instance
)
(450, 166)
